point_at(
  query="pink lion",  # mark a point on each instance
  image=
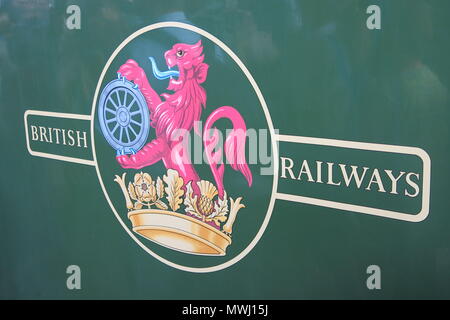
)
(179, 111)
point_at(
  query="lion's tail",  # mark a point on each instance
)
(234, 145)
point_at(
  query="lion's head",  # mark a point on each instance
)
(186, 72)
(188, 59)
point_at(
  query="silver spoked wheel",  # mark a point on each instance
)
(124, 116)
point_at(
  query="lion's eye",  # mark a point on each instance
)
(180, 53)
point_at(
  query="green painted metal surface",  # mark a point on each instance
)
(322, 73)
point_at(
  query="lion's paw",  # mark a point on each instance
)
(133, 72)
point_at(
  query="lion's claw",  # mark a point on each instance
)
(120, 77)
(122, 160)
(131, 71)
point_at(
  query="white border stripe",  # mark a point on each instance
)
(422, 215)
(55, 115)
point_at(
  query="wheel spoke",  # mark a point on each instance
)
(125, 95)
(128, 135)
(131, 128)
(131, 104)
(115, 128)
(121, 134)
(111, 120)
(137, 123)
(110, 110)
(118, 97)
(112, 101)
(135, 113)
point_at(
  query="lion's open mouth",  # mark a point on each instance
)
(161, 75)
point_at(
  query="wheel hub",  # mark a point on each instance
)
(123, 116)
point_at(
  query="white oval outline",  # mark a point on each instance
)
(247, 73)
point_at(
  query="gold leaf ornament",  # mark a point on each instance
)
(159, 188)
(190, 201)
(174, 189)
(235, 205)
(220, 210)
(131, 191)
(161, 205)
(152, 192)
(121, 182)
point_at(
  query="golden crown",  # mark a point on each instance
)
(203, 226)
